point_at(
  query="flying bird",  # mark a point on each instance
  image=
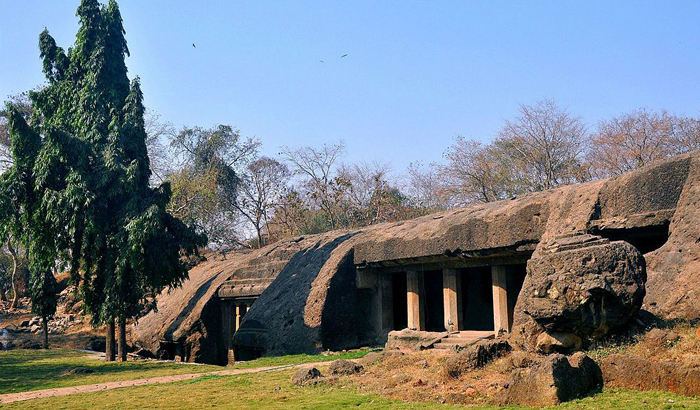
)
(194, 45)
(321, 61)
(343, 56)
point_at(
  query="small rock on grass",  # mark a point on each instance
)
(422, 363)
(304, 376)
(344, 367)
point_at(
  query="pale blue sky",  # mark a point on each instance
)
(417, 73)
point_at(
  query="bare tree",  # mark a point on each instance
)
(357, 185)
(158, 133)
(477, 173)
(546, 145)
(261, 190)
(684, 134)
(316, 167)
(631, 141)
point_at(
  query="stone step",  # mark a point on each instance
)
(461, 339)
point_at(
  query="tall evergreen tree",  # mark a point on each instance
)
(87, 178)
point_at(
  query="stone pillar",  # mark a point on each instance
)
(414, 299)
(450, 299)
(239, 315)
(500, 299)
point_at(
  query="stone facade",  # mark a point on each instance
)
(604, 248)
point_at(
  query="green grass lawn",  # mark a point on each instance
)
(272, 390)
(32, 370)
(23, 370)
(298, 359)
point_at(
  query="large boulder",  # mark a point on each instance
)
(580, 286)
(554, 380)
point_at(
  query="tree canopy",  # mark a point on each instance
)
(79, 183)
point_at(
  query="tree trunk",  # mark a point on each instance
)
(3, 297)
(261, 243)
(45, 326)
(122, 341)
(15, 291)
(109, 342)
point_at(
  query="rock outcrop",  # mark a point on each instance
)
(475, 356)
(556, 379)
(635, 373)
(579, 287)
(586, 245)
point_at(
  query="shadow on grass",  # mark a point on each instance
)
(43, 369)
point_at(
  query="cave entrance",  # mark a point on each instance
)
(473, 296)
(434, 305)
(477, 299)
(488, 296)
(646, 239)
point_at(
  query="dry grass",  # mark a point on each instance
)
(685, 351)
(405, 377)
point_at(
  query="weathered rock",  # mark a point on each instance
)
(636, 373)
(144, 353)
(371, 358)
(96, 344)
(555, 380)
(581, 285)
(409, 339)
(660, 338)
(475, 356)
(24, 323)
(342, 367)
(557, 342)
(305, 376)
(518, 359)
(312, 298)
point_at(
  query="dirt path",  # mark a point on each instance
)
(88, 388)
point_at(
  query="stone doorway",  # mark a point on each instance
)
(434, 304)
(477, 299)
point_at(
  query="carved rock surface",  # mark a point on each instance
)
(584, 286)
